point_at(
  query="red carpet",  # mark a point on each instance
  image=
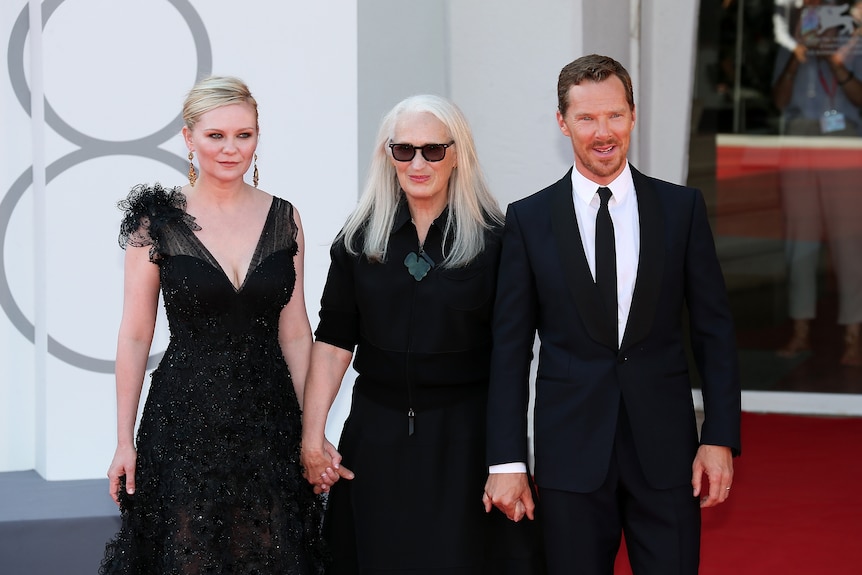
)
(796, 507)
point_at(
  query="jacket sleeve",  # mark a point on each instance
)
(514, 327)
(713, 337)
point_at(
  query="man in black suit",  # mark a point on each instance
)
(616, 440)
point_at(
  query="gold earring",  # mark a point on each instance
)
(193, 176)
(255, 177)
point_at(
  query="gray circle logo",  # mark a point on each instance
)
(89, 148)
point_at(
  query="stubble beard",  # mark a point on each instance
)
(604, 169)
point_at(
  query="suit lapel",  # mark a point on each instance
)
(650, 261)
(573, 259)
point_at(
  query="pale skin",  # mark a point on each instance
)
(231, 214)
(426, 187)
(599, 122)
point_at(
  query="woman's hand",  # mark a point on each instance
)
(123, 464)
(322, 466)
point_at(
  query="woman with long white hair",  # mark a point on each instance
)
(411, 289)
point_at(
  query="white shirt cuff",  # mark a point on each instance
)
(514, 467)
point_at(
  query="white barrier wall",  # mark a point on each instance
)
(115, 75)
(504, 65)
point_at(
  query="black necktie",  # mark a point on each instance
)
(606, 261)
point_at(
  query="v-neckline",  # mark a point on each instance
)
(249, 270)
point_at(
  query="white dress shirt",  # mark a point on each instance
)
(623, 207)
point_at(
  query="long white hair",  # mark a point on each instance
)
(472, 208)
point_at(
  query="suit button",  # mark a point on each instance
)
(622, 359)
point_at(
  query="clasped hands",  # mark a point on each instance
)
(511, 494)
(322, 467)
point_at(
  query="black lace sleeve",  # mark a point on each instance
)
(147, 210)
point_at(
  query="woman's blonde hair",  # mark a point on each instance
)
(214, 92)
(472, 208)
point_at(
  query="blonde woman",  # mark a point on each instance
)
(213, 483)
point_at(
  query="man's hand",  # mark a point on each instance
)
(511, 494)
(717, 463)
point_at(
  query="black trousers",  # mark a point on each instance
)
(583, 530)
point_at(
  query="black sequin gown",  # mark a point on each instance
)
(218, 483)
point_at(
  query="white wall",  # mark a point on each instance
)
(505, 64)
(668, 38)
(403, 49)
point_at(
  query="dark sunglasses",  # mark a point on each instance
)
(431, 152)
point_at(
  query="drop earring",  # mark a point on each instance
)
(255, 176)
(193, 176)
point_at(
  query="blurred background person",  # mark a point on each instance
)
(820, 96)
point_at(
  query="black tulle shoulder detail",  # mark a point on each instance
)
(147, 210)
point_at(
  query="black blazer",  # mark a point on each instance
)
(545, 286)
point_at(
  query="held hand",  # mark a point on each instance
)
(322, 467)
(335, 459)
(511, 494)
(717, 463)
(123, 463)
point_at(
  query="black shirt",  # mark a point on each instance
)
(419, 342)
